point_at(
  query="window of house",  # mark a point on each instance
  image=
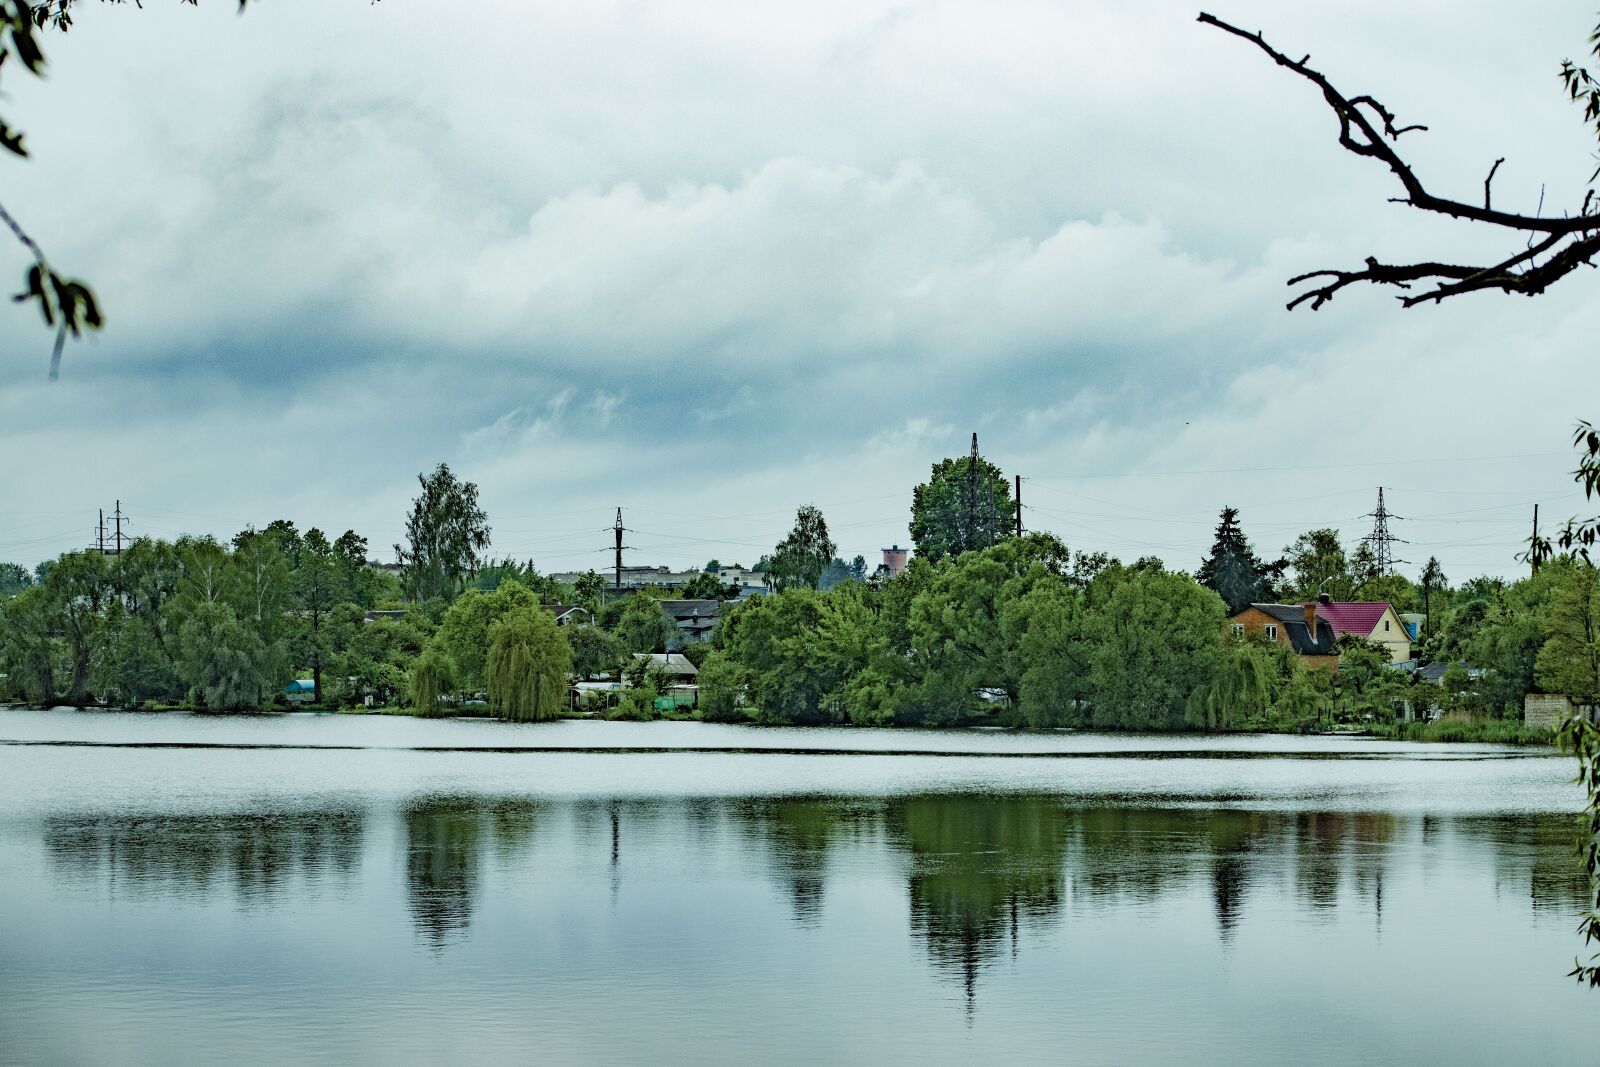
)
(1272, 630)
(1238, 629)
(1385, 625)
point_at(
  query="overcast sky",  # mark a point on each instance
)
(712, 261)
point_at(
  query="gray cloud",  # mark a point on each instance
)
(709, 263)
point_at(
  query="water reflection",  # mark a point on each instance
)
(982, 877)
(798, 836)
(446, 841)
(981, 872)
(257, 854)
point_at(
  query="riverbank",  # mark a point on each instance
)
(1477, 731)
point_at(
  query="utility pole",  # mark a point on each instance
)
(618, 530)
(119, 516)
(1019, 505)
(972, 496)
(1533, 551)
(100, 539)
(1381, 540)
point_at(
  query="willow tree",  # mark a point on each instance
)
(430, 680)
(1241, 686)
(528, 666)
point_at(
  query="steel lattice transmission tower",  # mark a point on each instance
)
(1381, 540)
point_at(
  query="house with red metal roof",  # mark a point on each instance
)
(1372, 620)
(1311, 629)
(1294, 626)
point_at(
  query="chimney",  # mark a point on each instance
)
(1311, 619)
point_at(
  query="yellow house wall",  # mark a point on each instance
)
(1395, 639)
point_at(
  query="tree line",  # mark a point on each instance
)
(982, 626)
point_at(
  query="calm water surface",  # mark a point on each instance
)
(186, 889)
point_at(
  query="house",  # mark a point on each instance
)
(1434, 672)
(374, 616)
(673, 664)
(567, 614)
(1371, 620)
(1295, 626)
(300, 691)
(695, 618)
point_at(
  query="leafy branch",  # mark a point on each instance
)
(67, 304)
(1552, 246)
(1579, 735)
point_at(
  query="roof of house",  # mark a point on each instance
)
(1301, 639)
(374, 616)
(692, 609)
(561, 611)
(671, 662)
(1359, 617)
(1434, 672)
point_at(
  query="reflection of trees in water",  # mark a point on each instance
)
(446, 841)
(982, 868)
(254, 852)
(797, 835)
(1333, 849)
(1536, 855)
(986, 871)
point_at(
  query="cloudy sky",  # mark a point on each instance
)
(710, 261)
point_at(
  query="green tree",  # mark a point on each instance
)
(29, 653)
(76, 590)
(1155, 638)
(1569, 660)
(147, 577)
(588, 589)
(722, 689)
(1433, 582)
(968, 619)
(1232, 570)
(223, 659)
(594, 651)
(528, 665)
(1241, 689)
(14, 578)
(1320, 565)
(354, 581)
(446, 532)
(960, 507)
(645, 626)
(706, 586)
(1048, 624)
(316, 581)
(1503, 635)
(801, 557)
(128, 666)
(431, 680)
(772, 640)
(463, 635)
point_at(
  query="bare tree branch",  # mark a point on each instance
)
(1368, 128)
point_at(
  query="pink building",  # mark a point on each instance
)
(895, 559)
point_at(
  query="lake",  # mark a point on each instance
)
(366, 889)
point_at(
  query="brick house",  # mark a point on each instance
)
(1295, 626)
